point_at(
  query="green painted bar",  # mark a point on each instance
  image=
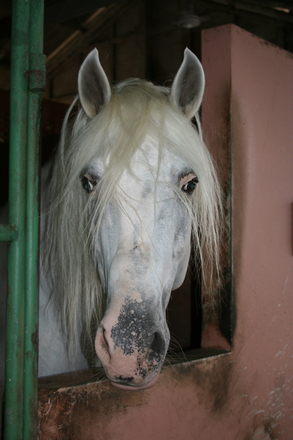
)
(37, 83)
(13, 417)
(8, 233)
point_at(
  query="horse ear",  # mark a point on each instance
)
(188, 86)
(93, 86)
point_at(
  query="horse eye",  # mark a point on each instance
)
(88, 183)
(190, 186)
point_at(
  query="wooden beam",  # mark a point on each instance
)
(95, 24)
(62, 10)
(264, 8)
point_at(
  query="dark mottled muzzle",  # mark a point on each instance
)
(131, 344)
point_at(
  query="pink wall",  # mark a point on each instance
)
(256, 78)
(248, 393)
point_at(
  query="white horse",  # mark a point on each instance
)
(132, 185)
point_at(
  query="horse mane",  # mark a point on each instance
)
(137, 107)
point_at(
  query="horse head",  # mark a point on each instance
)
(147, 182)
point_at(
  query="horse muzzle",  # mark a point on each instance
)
(131, 347)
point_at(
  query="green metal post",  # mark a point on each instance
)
(17, 205)
(37, 82)
(28, 80)
(8, 233)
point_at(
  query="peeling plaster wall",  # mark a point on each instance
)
(248, 393)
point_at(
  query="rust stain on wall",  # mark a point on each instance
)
(79, 412)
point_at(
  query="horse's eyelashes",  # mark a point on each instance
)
(190, 186)
(88, 183)
(188, 182)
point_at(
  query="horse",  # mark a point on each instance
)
(131, 190)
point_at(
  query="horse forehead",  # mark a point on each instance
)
(146, 176)
(149, 163)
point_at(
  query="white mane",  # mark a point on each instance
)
(114, 135)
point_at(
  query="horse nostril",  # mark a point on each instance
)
(104, 342)
(157, 344)
(103, 345)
